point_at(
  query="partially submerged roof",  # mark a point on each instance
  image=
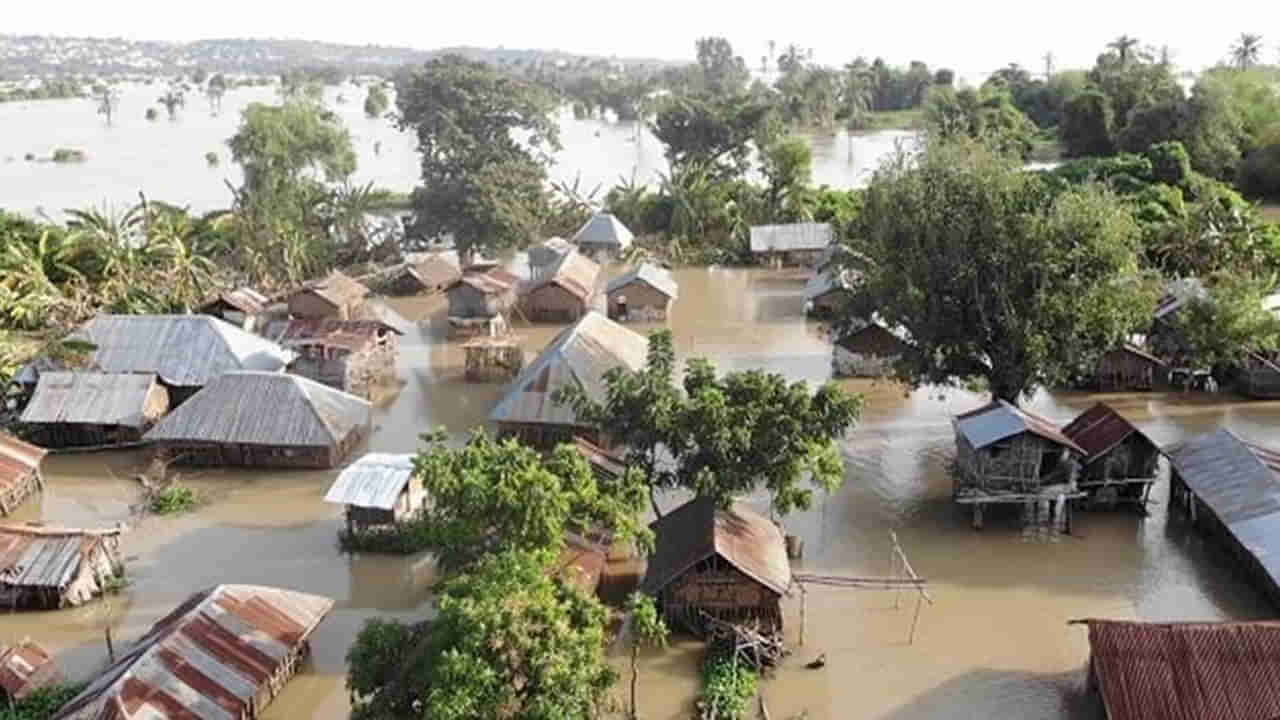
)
(258, 408)
(1238, 481)
(998, 420)
(1099, 429)
(574, 272)
(848, 341)
(18, 459)
(581, 563)
(244, 299)
(655, 277)
(374, 481)
(337, 289)
(493, 282)
(1187, 671)
(548, 251)
(434, 269)
(823, 281)
(793, 236)
(209, 658)
(601, 460)
(332, 332)
(604, 230)
(26, 667)
(44, 557)
(698, 530)
(580, 355)
(181, 349)
(90, 398)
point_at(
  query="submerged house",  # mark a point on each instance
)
(225, 652)
(792, 245)
(870, 351)
(643, 293)
(548, 252)
(243, 307)
(261, 419)
(1005, 454)
(565, 291)
(481, 299)
(827, 292)
(336, 296)
(730, 564)
(603, 236)
(185, 352)
(428, 275)
(25, 668)
(48, 568)
(350, 355)
(579, 356)
(92, 409)
(20, 476)
(1230, 490)
(1119, 461)
(1128, 367)
(378, 490)
(1185, 670)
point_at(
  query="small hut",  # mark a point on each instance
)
(1230, 490)
(1128, 367)
(90, 409)
(730, 564)
(350, 355)
(185, 352)
(20, 476)
(1119, 462)
(492, 358)
(379, 490)
(47, 568)
(565, 291)
(25, 668)
(426, 276)
(1185, 670)
(603, 236)
(827, 291)
(580, 356)
(480, 301)
(1005, 454)
(644, 293)
(336, 296)
(793, 245)
(225, 652)
(261, 419)
(549, 252)
(870, 351)
(242, 307)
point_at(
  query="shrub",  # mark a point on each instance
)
(40, 704)
(211, 158)
(173, 500)
(69, 155)
(727, 687)
(1260, 173)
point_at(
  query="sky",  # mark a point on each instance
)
(972, 38)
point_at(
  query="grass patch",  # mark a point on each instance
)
(727, 688)
(402, 539)
(41, 704)
(172, 500)
(895, 120)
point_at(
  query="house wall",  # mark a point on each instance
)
(26, 486)
(849, 364)
(1121, 370)
(214, 454)
(100, 563)
(717, 588)
(643, 300)
(828, 302)
(288, 667)
(468, 302)
(552, 303)
(81, 435)
(1013, 465)
(1133, 458)
(308, 304)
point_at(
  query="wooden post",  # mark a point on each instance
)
(804, 597)
(914, 619)
(977, 516)
(111, 650)
(1067, 516)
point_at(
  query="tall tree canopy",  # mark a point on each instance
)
(484, 135)
(722, 71)
(991, 272)
(716, 133)
(279, 146)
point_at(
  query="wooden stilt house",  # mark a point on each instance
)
(1119, 462)
(20, 476)
(336, 296)
(644, 293)
(565, 291)
(1128, 367)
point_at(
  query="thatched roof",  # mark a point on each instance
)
(337, 289)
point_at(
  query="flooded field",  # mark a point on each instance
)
(995, 644)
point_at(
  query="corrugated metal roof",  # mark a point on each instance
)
(1135, 350)
(600, 459)
(185, 350)
(575, 272)
(332, 332)
(548, 251)
(1187, 671)
(44, 557)
(822, 282)
(26, 667)
(259, 408)
(658, 278)
(246, 300)
(998, 420)
(338, 289)
(696, 530)
(18, 459)
(604, 230)
(1178, 293)
(434, 270)
(208, 659)
(373, 481)
(582, 563)
(794, 236)
(1098, 430)
(90, 398)
(580, 355)
(1236, 480)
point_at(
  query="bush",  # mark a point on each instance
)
(403, 539)
(151, 114)
(41, 704)
(173, 500)
(727, 687)
(69, 155)
(211, 158)
(1260, 173)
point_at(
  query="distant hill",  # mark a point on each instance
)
(28, 55)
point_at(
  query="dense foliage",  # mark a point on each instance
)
(647, 628)
(727, 688)
(41, 704)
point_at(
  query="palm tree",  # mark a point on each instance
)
(1122, 45)
(1246, 50)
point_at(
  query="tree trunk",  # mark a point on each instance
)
(635, 673)
(653, 501)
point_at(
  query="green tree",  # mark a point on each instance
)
(1245, 51)
(108, 100)
(647, 628)
(1225, 325)
(1123, 47)
(988, 115)
(480, 181)
(716, 133)
(173, 99)
(509, 641)
(281, 146)
(990, 272)
(216, 88)
(1087, 125)
(199, 75)
(787, 166)
(723, 72)
(376, 102)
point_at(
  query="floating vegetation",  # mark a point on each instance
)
(69, 155)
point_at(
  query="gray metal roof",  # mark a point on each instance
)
(548, 251)
(580, 355)
(261, 408)
(604, 230)
(90, 398)
(373, 481)
(998, 420)
(1235, 479)
(185, 350)
(40, 557)
(795, 236)
(575, 272)
(658, 278)
(822, 282)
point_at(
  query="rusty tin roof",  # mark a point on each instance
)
(18, 459)
(1187, 671)
(697, 530)
(1099, 429)
(999, 419)
(659, 279)
(245, 300)
(338, 289)
(26, 667)
(435, 269)
(574, 272)
(45, 557)
(332, 332)
(207, 659)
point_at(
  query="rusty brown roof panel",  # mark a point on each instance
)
(339, 289)
(1187, 671)
(696, 530)
(17, 460)
(209, 658)
(26, 667)
(1098, 430)
(332, 332)
(575, 272)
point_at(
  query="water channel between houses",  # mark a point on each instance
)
(996, 644)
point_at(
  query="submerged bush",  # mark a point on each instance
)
(172, 500)
(211, 158)
(41, 704)
(401, 539)
(69, 155)
(728, 687)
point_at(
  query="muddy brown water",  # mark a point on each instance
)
(995, 643)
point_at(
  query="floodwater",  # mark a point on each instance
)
(995, 643)
(166, 159)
